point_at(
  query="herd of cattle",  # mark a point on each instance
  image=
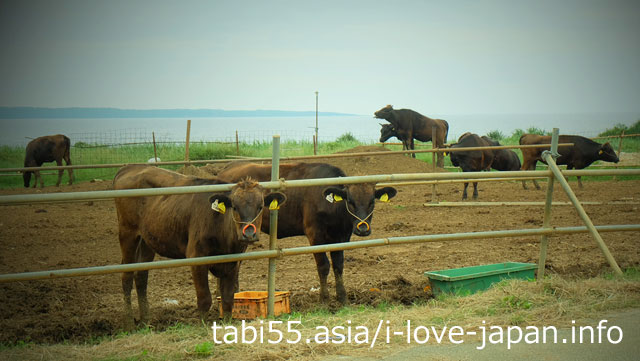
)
(199, 224)
(406, 124)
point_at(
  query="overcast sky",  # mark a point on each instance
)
(436, 57)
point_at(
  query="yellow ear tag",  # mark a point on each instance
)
(600, 152)
(218, 207)
(337, 198)
(274, 205)
(384, 198)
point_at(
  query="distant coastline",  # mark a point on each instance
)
(79, 113)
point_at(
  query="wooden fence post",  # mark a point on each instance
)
(237, 144)
(186, 149)
(155, 152)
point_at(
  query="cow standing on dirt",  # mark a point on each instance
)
(407, 124)
(326, 215)
(579, 156)
(471, 160)
(186, 226)
(49, 148)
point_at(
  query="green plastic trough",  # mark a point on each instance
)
(468, 280)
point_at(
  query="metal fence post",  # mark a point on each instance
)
(544, 240)
(434, 136)
(619, 151)
(273, 230)
(581, 212)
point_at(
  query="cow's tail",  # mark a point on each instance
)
(446, 132)
(67, 146)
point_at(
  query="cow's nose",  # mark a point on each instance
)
(363, 229)
(250, 232)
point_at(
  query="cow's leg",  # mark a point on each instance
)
(70, 171)
(128, 246)
(60, 172)
(227, 286)
(322, 264)
(475, 190)
(203, 294)
(337, 262)
(144, 254)
(38, 177)
(530, 166)
(464, 191)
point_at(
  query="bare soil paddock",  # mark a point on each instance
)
(57, 236)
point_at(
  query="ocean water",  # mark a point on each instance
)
(363, 127)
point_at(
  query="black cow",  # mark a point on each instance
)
(579, 156)
(47, 149)
(325, 215)
(503, 159)
(471, 160)
(407, 124)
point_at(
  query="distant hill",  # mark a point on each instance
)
(57, 113)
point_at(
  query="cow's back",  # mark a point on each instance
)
(47, 148)
(472, 160)
(162, 217)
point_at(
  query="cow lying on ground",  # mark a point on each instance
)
(49, 148)
(186, 226)
(471, 160)
(407, 124)
(579, 156)
(325, 215)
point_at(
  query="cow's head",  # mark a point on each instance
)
(387, 131)
(607, 153)
(246, 202)
(26, 176)
(359, 201)
(384, 113)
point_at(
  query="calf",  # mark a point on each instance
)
(186, 226)
(47, 149)
(325, 215)
(579, 156)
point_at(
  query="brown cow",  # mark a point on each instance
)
(186, 226)
(408, 124)
(324, 214)
(579, 156)
(49, 148)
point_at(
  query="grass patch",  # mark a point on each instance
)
(552, 301)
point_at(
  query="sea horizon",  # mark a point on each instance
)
(366, 128)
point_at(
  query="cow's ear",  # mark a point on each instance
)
(334, 194)
(220, 203)
(386, 193)
(274, 200)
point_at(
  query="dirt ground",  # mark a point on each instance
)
(67, 235)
